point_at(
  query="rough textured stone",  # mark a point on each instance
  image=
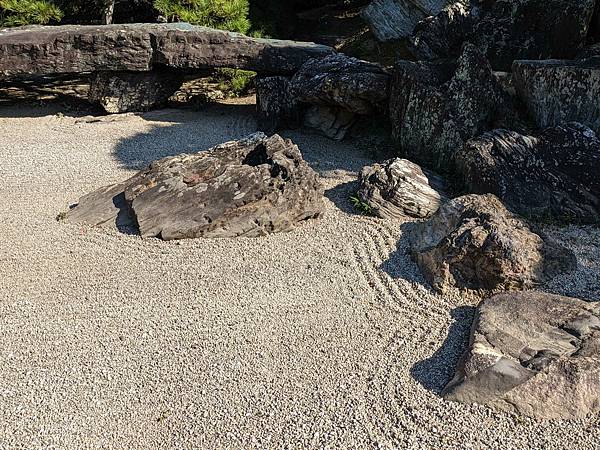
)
(139, 47)
(119, 92)
(557, 91)
(435, 108)
(532, 353)
(250, 187)
(399, 188)
(506, 30)
(330, 121)
(396, 19)
(277, 107)
(341, 81)
(554, 174)
(474, 243)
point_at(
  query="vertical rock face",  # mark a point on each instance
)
(399, 188)
(551, 175)
(249, 187)
(435, 108)
(396, 19)
(119, 92)
(506, 30)
(533, 353)
(474, 243)
(276, 105)
(557, 91)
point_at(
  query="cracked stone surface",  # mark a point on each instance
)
(250, 187)
(533, 353)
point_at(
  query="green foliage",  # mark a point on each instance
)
(14, 13)
(234, 82)
(360, 206)
(229, 15)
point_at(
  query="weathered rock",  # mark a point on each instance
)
(396, 19)
(554, 174)
(532, 353)
(340, 81)
(474, 243)
(330, 121)
(435, 108)
(119, 92)
(506, 30)
(276, 105)
(250, 187)
(557, 92)
(399, 188)
(139, 47)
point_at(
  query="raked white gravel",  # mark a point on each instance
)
(325, 337)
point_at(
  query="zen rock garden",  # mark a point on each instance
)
(493, 113)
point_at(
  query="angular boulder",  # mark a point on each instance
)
(399, 188)
(556, 92)
(250, 187)
(554, 174)
(436, 107)
(532, 353)
(140, 47)
(335, 123)
(342, 82)
(396, 19)
(119, 92)
(474, 243)
(276, 105)
(506, 30)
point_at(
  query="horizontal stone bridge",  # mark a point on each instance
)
(142, 47)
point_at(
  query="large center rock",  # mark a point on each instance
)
(250, 187)
(557, 91)
(554, 174)
(398, 188)
(435, 108)
(474, 243)
(533, 353)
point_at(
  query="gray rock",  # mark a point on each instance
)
(396, 19)
(276, 105)
(399, 188)
(329, 121)
(436, 107)
(474, 243)
(532, 353)
(119, 92)
(340, 81)
(553, 174)
(251, 187)
(506, 30)
(557, 92)
(140, 47)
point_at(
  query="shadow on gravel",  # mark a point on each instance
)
(340, 196)
(400, 263)
(436, 371)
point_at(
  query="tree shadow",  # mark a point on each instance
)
(435, 372)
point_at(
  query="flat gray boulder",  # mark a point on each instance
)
(250, 187)
(398, 188)
(474, 243)
(553, 174)
(532, 353)
(140, 47)
(560, 91)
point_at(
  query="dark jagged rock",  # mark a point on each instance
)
(506, 30)
(251, 187)
(474, 243)
(399, 188)
(436, 107)
(139, 47)
(340, 81)
(119, 92)
(557, 91)
(554, 174)
(532, 353)
(396, 19)
(276, 105)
